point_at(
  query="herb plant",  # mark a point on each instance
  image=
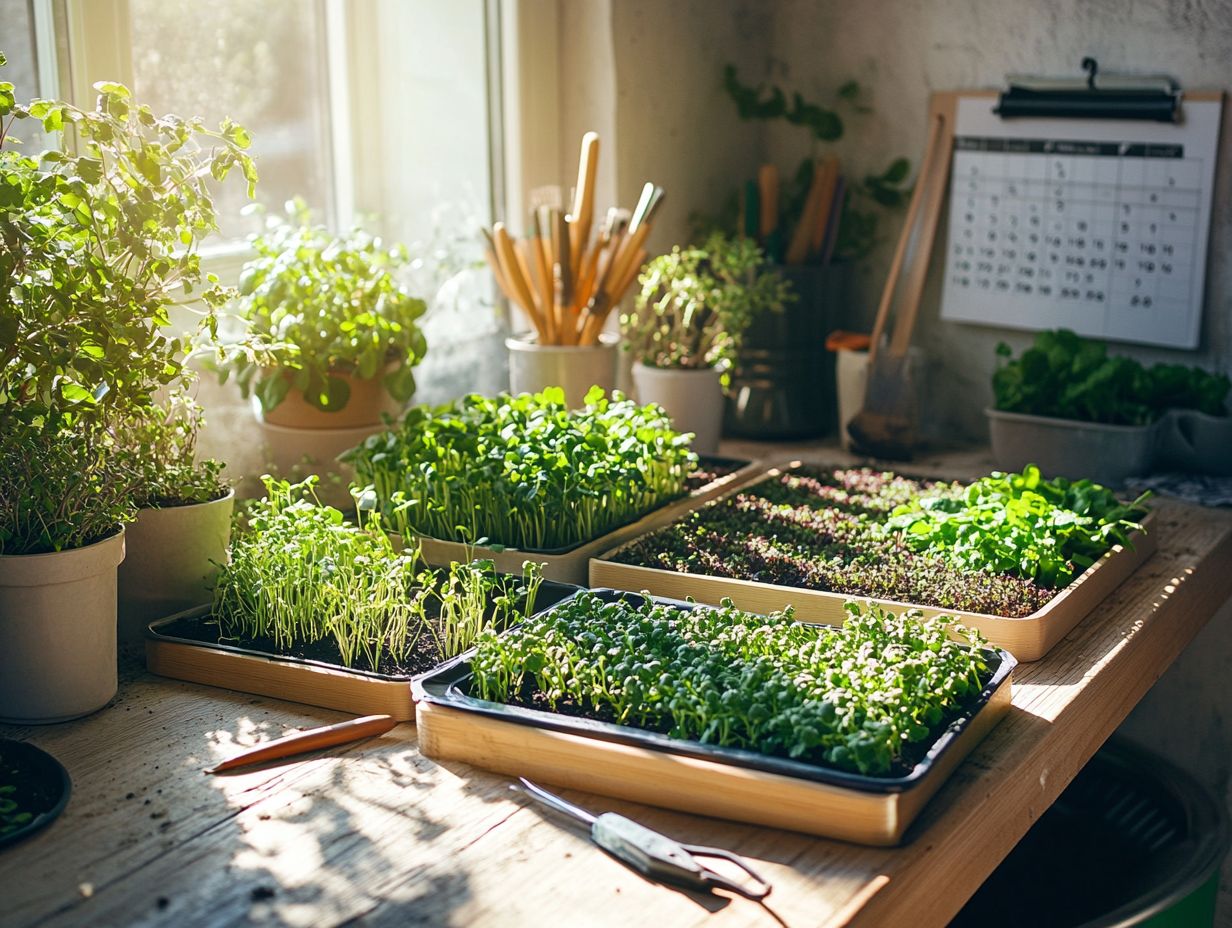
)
(318, 306)
(158, 445)
(95, 244)
(696, 303)
(856, 698)
(1022, 524)
(1066, 376)
(523, 471)
(299, 573)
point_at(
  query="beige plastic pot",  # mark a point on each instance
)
(693, 399)
(574, 368)
(58, 632)
(368, 400)
(171, 562)
(295, 453)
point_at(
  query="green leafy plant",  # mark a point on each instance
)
(857, 230)
(300, 573)
(1066, 376)
(1045, 530)
(523, 471)
(856, 698)
(96, 243)
(319, 306)
(159, 448)
(695, 304)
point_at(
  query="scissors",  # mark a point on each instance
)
(655, 856)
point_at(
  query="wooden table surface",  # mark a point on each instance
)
(375, 833)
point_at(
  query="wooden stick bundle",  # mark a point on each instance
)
(566, 280)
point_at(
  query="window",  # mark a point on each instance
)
(378, 110)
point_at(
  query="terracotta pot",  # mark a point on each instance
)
(575, 368)
(172, 559)
(693, 399)
(58, 632)
(369, 399)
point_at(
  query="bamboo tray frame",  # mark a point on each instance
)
(1028, 638)
(688, 776)
(311, 682)
(571, 565)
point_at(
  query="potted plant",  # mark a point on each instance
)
(317, 609)
(93, 245)
(689, 319)
(184, 507)
(333, 338)
(1069, 406)
(524, 472)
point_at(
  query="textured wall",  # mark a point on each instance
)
(904, 49)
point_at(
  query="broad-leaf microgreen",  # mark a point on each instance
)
(855, 698)
(524, 471)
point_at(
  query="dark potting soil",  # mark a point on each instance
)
(816, 529)
(711, 469)
(26, 790)
(424, 655)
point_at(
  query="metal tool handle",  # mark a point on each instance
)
(659, 858)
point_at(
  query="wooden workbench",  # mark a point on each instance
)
(376, 832)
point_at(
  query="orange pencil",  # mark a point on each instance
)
(302, 741)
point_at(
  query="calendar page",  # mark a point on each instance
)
(1099, 226)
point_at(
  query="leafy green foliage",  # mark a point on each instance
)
(158, 444)
(299, 572)
(1066, 376)
(822, 530)
(523, 471)
(318, 305)
(854, 698)
(62, 488)
(771, 103)
(92, 247)
(696, 303)
(1046, 530)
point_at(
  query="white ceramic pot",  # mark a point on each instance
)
(575, 368)
(693, 399)
(295, 453)
(851, 374)
(58, 632)
(1069, 448)
(171, 562)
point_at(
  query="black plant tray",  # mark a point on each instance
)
(298, 679)
(53, 785)
(646, 766)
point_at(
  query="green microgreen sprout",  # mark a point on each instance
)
(866, 697)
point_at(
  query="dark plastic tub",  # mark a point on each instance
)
(52, 787)
(1133, 841)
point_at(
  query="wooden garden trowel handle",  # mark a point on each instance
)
(936, 162)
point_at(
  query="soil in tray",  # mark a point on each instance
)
(423, 656)
(26, 792)
(711, 469)
(815, 529)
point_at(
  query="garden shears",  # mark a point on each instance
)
(655, 856)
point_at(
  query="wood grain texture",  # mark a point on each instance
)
(377, 832)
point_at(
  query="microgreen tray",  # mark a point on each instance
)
(1028, 637)
(296, 679)
(645, 766)
(570, 564)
